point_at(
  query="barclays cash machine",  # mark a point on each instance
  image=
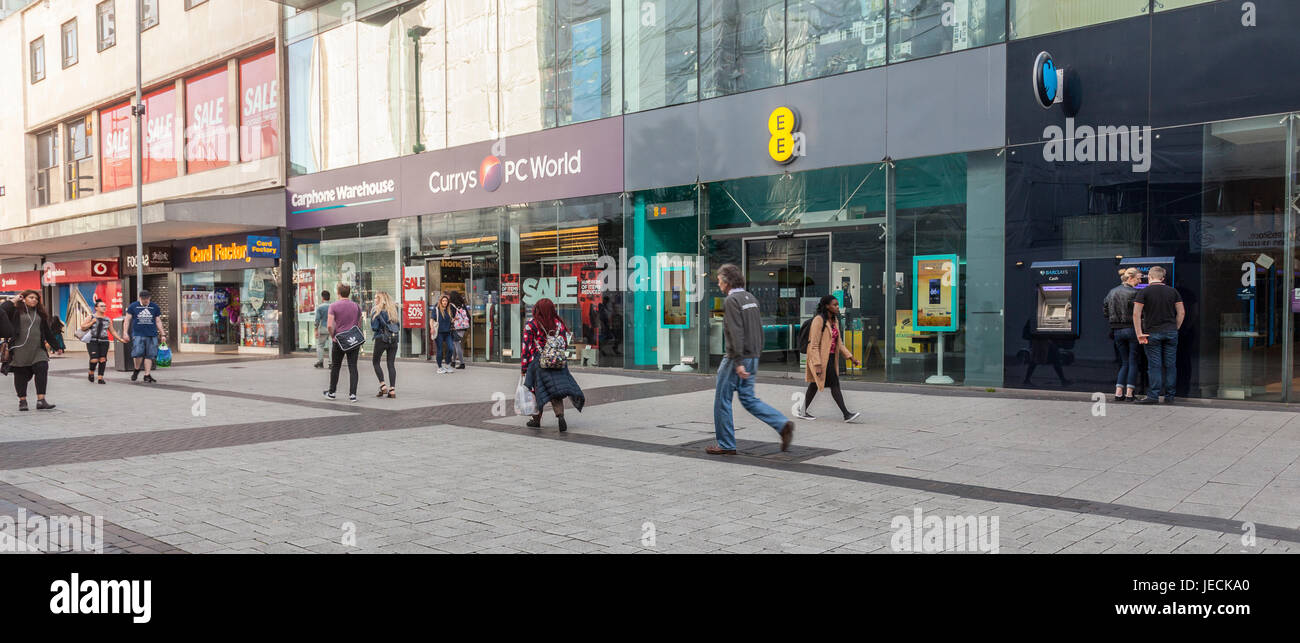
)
(1056, 297)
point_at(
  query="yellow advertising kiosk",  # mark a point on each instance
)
(934, 301)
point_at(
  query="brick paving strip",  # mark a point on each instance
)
(117, 539)
(478, 415)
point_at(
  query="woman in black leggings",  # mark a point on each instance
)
(32, 336)
(386, 323)
(825, 346)
(97, 333)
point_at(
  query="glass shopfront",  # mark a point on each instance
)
(231, 308)
(547, 250)
(229, 300)
(801, 236)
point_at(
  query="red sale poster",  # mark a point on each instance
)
(207, 145)
(115, 147)
(258, 92)
(160, 135)
(413, 294)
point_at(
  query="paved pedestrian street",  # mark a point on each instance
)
(245, 455)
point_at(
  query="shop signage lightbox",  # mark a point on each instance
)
(16, 282)
(566, 162)
(264, 247)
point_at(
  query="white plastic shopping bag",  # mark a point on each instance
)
(525, 401)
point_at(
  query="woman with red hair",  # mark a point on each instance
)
(547, 384)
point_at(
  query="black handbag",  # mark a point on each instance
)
(350, 339)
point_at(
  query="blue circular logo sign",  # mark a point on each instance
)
(1046, 87)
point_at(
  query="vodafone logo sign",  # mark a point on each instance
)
(99, 269)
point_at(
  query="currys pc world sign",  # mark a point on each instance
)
(572, 161)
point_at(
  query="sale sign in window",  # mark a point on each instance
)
(207, 140)
(115, 147)
(160, 135)
(258, 107)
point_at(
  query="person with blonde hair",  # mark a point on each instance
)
(1118, 309)
(386, 323)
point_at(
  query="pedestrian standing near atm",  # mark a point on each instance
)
(743, 333)
(1158, 313)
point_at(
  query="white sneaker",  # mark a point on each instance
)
(803, 415)
(441, 370)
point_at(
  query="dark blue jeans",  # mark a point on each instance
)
(1126, 344)
(1162, 352)
(443, 341)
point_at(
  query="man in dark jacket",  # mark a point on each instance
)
(743, 332)
(1118, 308)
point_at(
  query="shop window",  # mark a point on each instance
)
(584, 66)
(160, 134)
(472, 112)
(207, 135)
(1037, 17)
(304, 120)
(79, 174)
(149, 16)
(919, 28)
(47, 158)
(385, 82)
(834, 37)
(659, 53)
(37, 51)
(105, 25)
(259, 107)
(742, 45)
(68, 38)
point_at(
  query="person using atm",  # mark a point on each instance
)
(1159, 310)
(1118, 308)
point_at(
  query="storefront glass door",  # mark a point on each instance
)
(788, 276)
(474, 278)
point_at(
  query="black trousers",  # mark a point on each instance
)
(23, 374)
(832, 382)
(382, 347)
(336, 364)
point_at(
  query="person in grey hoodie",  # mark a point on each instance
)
(1118, 308)
(743, 332)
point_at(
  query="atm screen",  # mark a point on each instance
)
(1056, 308)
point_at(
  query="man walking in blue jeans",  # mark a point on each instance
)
(1159, 309)
(743, 332)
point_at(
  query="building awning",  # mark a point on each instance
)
(166, 221)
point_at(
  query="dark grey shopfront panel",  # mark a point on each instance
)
(841, 118)
(950, 103)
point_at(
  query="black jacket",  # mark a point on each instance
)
(742, 325)
(1118, 306)
(553, 384)
(9, 324)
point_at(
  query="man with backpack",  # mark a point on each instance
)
(743, 333)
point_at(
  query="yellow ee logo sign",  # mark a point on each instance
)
(787, 142)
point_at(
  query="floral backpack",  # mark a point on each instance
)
(460, 321)
(553, 355)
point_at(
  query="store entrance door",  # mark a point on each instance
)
(473, 277)
(788, 276)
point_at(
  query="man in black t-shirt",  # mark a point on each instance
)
(1157, 315)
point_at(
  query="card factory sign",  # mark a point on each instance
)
(578, 160)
